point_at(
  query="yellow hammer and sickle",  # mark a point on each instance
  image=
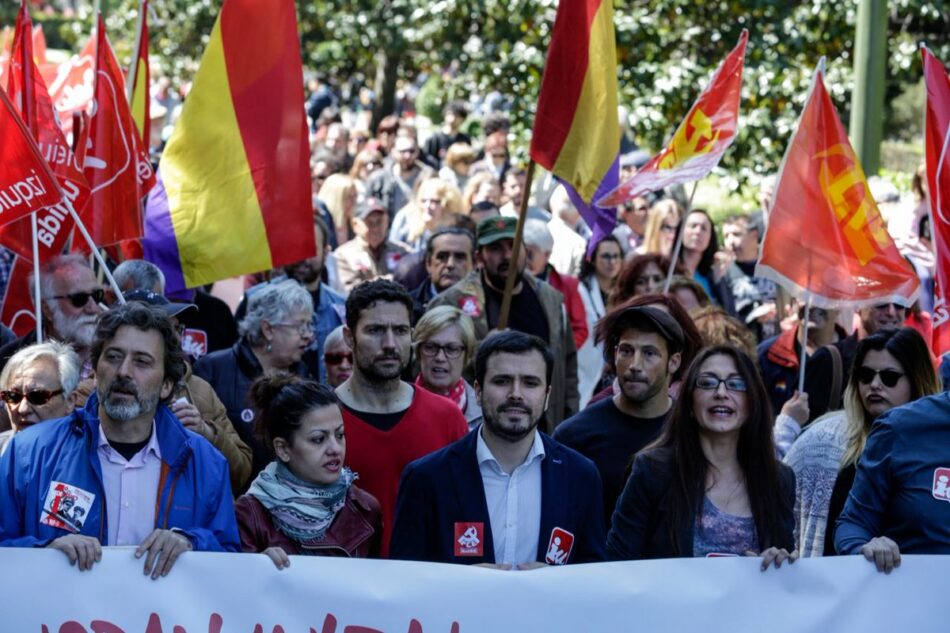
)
(684, 146)
(858, 221)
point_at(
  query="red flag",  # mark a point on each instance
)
(826, 240)
(17, 312)
(937, 142)
(39, 45)
(6, 41)
(27, 89)
(26, 183)
(74, 84)
(701, 139)
(116, 165)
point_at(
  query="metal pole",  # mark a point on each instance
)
(679, 240)
(867, 100)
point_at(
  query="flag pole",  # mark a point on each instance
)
(134, 64)
(513, 273)
(801, 364)
(679, 240)
(94, 250)
(37, 294)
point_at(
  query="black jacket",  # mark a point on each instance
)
(640, 527)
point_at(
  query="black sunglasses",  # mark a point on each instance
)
(79, 299)
(888, 376)
(37, 397)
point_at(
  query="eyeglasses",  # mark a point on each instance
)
(432, 350)
(610, 256)
(79, 299)
(337, 358)
(708, 382)
(885, 306)
(889, 377)
(666, 228)
(303, 329)
(37, 397)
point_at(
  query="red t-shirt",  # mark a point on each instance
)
(379, 457)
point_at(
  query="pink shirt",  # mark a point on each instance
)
(131, 488)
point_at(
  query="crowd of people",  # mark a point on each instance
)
(367, 402)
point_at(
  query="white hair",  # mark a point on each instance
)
(537, 234)
(273, 303)
(62, 355)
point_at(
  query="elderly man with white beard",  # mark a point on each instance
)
(71, 304)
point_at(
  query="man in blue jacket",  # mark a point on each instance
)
(122, 471)
(505, 495)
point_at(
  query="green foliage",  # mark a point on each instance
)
(667, 50)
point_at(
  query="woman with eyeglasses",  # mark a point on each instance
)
(891, 368)
(710, 485)
(275, 333)
(598, 284)
(304, 502)
(337, 358)
(444, 342)
(37, 384)
(662, 224)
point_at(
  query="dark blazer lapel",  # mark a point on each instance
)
(555, 494)
(470, 491)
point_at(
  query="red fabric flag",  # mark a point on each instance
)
(826, 240)
(39, 45)
(937, 142)
(116, 165)
(73, 86)
(701, 139)
(17, 312)
(27, 89)
(26, 183)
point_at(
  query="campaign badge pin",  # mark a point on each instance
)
(469, 305)
(559, 547)
(941, 489)
(247, 415)
(469, 539)
(66, 507)
(194, 342)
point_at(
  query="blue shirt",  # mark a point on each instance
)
(898, 491)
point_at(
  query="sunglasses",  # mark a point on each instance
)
(711, 383)
(337, 358)
(889, 377)
(79, 299)
(37, 397)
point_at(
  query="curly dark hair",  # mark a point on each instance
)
(368, 293)
(144, 317)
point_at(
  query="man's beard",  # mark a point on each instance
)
(648, 393)
(125, 411)
(304, 272)
(375, 373)
(490, 421)
(78, 330)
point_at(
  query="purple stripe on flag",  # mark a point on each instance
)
(159, 243)
(601, 220)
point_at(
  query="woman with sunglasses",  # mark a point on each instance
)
(37, 384)
(275, 333)
(444, 342)
(304, 502)
(337, 358)
(710, 486)
(891, 368)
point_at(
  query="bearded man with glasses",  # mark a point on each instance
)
(37, 384)
(71, 304)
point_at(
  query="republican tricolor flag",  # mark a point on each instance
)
(937, 142)
(576, 133)
(138, 84)
(233, 194)
(826, 241)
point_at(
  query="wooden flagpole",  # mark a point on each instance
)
(675, 255)
(513, 273)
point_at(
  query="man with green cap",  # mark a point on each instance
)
(536, 308)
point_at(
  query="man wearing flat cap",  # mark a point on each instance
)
(536, 308)
(643, 345)
(370, 255)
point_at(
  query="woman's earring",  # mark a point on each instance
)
(269, 348)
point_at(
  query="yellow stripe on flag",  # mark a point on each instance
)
(583, 160)
(139, 97)
(211, 196)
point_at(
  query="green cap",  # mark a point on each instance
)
(496, 228)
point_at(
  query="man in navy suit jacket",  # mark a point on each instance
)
(504, 495)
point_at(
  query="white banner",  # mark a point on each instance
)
(243, 593)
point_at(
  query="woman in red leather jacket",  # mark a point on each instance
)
(304, 502)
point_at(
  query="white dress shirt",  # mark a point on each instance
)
(514, 502)
(131, 489)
